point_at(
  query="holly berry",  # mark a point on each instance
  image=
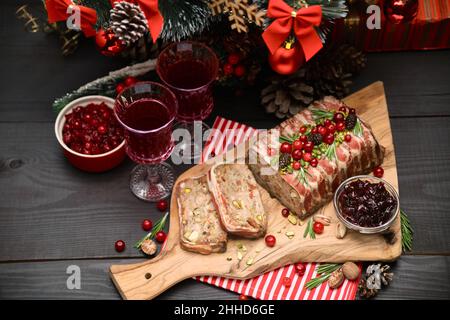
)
(378, 172)
(303, 139)
(329, 138)
(297, 145)
(147, 225)
(322, 130)
(129, 81)
(285, 212)
(160, 236)
(270, 240)
(119, 245)
(234, 58)
(239, 71)
(243, 297)
(228, 69)
(309, 146)
(297, 154)
(307, 156)
(318, 227)
(286, 147)
(303, 129)
(300, 269)
(331, 128)
(342, 109)
(162, 205)
(314, 162)
(287, 281)
(338, 117)
(348, 138)
(340, 126)
(119, 88)
(296, 165)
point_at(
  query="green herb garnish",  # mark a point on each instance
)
(319, 114)
(156, 228)
(309, 230)
(407, 231)
(358, 130)
(324, 271)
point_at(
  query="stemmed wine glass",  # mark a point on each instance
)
(147, 110)
(189, 69)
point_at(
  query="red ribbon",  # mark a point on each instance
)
(303, 22)
(150, 8)
(57, 11)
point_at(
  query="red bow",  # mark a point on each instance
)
(151, 11)
(57, 11)
(303, 22)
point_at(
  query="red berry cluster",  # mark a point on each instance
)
(129, 81)
(233, 66)
(305, 151)
(92, 129)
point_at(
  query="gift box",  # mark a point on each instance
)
(429, 29)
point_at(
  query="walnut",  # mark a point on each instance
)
(350, 270)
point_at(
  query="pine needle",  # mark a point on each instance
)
(324, 271)
(407, 231)
(156, 228)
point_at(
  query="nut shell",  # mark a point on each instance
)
(341, 230)
(149, 247)
(336, 279)
(350, 270)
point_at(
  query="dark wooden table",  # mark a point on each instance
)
(53, 216)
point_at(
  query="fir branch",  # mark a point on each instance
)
(324, 271)
(102, 7)
(156, 228)
(407, 231)
(309, 230)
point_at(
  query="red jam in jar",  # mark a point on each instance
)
(366, 204)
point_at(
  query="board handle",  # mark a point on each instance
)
(148, 279)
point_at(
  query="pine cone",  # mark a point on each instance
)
(128, 22)
(286, 97)
(375, 276)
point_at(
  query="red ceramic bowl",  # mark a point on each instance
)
(91, 163)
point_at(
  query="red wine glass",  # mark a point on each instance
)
(147, 110)
(189, 70)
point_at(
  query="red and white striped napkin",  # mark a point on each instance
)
(268, 286)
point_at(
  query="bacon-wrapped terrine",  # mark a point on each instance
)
(305, 190)
(237, 200)
(200, 228)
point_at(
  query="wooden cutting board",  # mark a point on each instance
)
(150, 278)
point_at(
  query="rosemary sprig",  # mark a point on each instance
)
(330, 153)
(156, 228)
(289, 139)
(358, 130)
(407, 231)
(324, 271)
(309, 230)
(301, 176)
(319, 114)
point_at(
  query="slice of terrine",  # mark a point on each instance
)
(200, 228)
(237, 200)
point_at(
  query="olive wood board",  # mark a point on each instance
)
(150, 278)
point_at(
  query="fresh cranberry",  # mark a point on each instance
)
(329, 138)
(119, 88)
(314, 162)
(322, 130)
(351, 111)
(318, 227)
(297, 145)
(303, 129)
(338, 117)
(342, 109)
(327, 122)
(287, 281)
(307, 156)
(228, 69)
(300, 268)
(162, 205)
(303, 139)
(119, 245)
(297, 154)
(296, 165)
(243, 297)
(239, 71)
(160, 236)
(129, 81)
(314, 130)
(233, 58)
(286, 147)
(270, 240)
(285, 212)
(348, 138)
(331, 128)
(340, 126)
(378, 172)
(147, 225)
(309, 146)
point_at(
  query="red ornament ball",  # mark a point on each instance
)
(234, 58)
(160, 236)
(286, 147)
(378, 172)
(239, 71)
(318, 227)
(300, 268)
(147, 225)
(119, 245)
(162, 205)
(270, 240)
(285, 212)
(228, 69)
(287, 61)
(108, 44)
